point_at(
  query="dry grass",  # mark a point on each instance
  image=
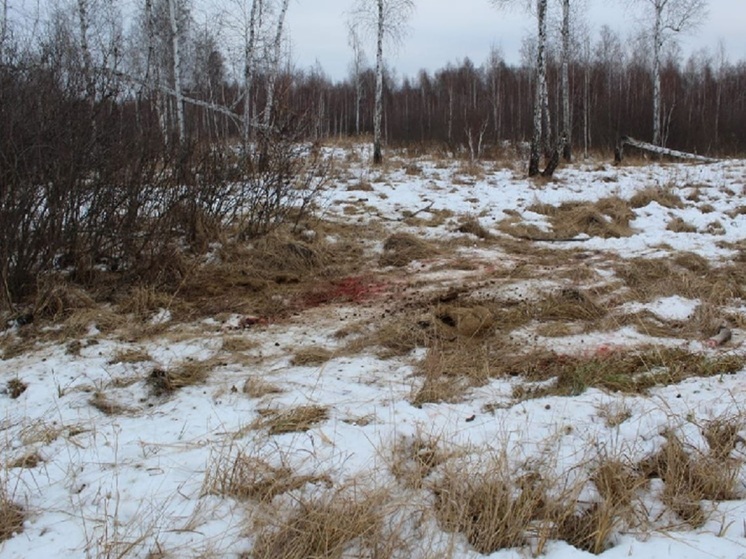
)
(241, 475)
(15, 387)
(414, 458)
(606, 218)
(402, 248)
(237, 344)
(294, 420)
(621, 371)
(678, 225)
(666, 197)
(682, 275)
(311, 356)
(130, 355)
(488, 506)
(28, 460)
(691, 476)
(189, 373)
(569, 304)
(342, 524)
(256, 387)
(12, 517)
(102, 403)
(471, 225)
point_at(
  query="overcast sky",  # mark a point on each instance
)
(443, 31)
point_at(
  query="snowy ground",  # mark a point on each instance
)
(147, 474)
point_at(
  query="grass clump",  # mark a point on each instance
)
(245, 477)
(328, 527)
(486, 507)
(294, 420)
(311, 356)
(12, 517)
(402, 248)
(256, 387)
(678, 225)
(666, 197)
(630, 372)
(690, 477)
(414, 458)
(189, 373)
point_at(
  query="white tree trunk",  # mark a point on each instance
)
(85, 51)
(566, 127)
(657, 46)
(540, 98)
(378, 112)
(274, 66)
(3, 26)
(248, 71)
(176, 66)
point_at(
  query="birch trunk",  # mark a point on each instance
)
(248, 72)
(657, 45)
(3, 27)
(378, 111)
(566, 128)
(176, 66)
(275, 66)
(540, 98)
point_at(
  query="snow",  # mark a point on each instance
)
(132, 484)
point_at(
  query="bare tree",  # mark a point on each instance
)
(669, 17)
(357, 66)
(274, 64)
(387, 19)
(566, 127)
(176, 68)
(541, 121)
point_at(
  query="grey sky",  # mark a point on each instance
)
(443, 31)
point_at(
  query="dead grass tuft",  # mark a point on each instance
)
(589, 528)
(28, 460)
(569, 304)
(102, 403)
(486, 507)
(190, 372)
(606, 218)
(311, 356)
(619, 371)
(130, 355)
(691, 476)
(666, 197)
(414, 458)
(144, 301)
(15, 388)
(294, 420)
(678, 225)
(57, 299)
(471, 225)
(327, 527)
(402, 248)
(256, 387)
(722, 436)
(12, 517)
(242, 476)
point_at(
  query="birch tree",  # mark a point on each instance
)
(669, 17)
(541, 120)
(176, 69)
(274, 64)
(387, 20)
(566, 126)
(357, 65)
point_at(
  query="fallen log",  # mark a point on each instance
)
(658, 150)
